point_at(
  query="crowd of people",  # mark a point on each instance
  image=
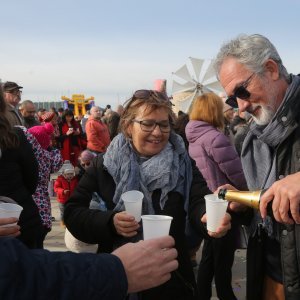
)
(248, 140)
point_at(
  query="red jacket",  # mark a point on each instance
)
(61, 184)
(97, 135)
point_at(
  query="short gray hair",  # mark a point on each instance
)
(252, 51)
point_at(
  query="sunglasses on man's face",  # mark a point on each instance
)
(240, 92)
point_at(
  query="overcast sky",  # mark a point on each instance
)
(108, 49)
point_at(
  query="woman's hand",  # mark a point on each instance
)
(77, 131)
(13, 230)
(125, 224)
(70, 131)
(222, 229)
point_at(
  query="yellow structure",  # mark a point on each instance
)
(79, 102)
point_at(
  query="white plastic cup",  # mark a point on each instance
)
(133, 201)
(156, 226)
(215, 211)
(8, 210)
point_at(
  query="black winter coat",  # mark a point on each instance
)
(18, 181)
(94, 226)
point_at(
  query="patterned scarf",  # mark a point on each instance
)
(169, 170)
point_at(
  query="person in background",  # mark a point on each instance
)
(50, 161)
(28, 112)
(96, 132)
(146, 156)
(12, 96)
(19, 176)
(219, 164)
(120, 110)
(64, 186)
(130, 268)
(84, 160)
(228, 113)
(253, 75)
(70, 138)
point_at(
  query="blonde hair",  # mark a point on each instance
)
(208, 108)
(152, 103)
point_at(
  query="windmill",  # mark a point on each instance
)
(203, 81)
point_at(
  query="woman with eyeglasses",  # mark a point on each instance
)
(146, 156)
(219, 164)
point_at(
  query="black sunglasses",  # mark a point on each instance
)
(240, 92)
(146, 94)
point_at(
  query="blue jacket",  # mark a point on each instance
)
(40, 274)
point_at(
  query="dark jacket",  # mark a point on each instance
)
(43, 275)
(287, 162)
(93, 226)
(18, 181)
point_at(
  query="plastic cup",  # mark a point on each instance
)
(8, 210)
(215, 211)
(156, 226)
(133, 201)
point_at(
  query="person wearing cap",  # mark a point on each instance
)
(12, 95)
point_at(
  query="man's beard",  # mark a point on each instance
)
(268, 111)
(30, 121)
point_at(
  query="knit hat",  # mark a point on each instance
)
(87, 155)
(42, 134)
(47, 116)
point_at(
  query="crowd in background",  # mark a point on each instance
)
(250, 140)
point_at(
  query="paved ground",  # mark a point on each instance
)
(55, 242)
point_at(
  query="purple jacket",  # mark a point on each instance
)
(215, 157)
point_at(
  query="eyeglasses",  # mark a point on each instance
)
(150, 125)
(146, 94)
(86, 163)
(240, 92)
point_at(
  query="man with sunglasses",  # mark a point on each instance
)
(12, 95)
(255, 80)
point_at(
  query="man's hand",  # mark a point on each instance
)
(13, 230)
(125, 224)
(285, 194)
(148, 263)
(222, 229)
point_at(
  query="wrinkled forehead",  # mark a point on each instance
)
(232, 73)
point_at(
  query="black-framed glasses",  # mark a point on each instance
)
(240, 92)
(146, 94)
(150, 125)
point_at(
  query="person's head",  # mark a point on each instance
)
(27, 109)
(68, 116)
(43, 134)
(60, 111)
(147, 120)
(208, 108)
(69, 173)
(8, 138)
(85, 158)
(48, 117)
(120, 110)
(12, 93)
(253, 76)
(96, 113)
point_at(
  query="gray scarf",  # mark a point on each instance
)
(258, 153)
(169, 170)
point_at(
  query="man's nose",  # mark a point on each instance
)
(243, 105)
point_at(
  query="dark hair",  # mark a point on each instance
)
(67, 112)
(8, 138)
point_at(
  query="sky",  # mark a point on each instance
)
(109, 49)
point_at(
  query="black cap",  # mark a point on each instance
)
(9, 86)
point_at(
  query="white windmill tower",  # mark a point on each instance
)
(202, 81)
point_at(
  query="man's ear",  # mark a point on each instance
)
(272, 68)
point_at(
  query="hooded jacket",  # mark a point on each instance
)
(215, 157)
